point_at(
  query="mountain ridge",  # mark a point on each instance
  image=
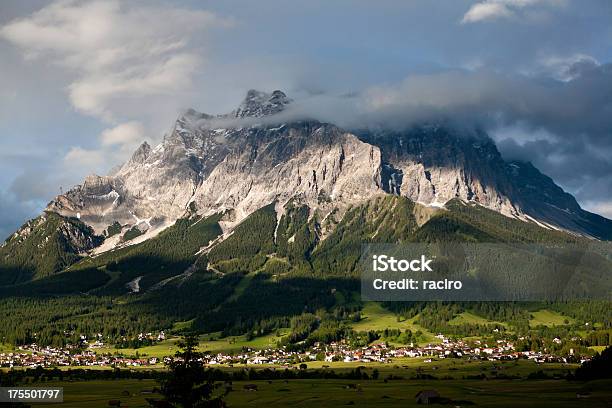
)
(428, 164)
(204, 170)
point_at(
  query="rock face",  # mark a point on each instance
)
(258, 104)
(210, 169)
(154, 187)
(221, 169)
(315, 164)
(542, 201)
(432, 165)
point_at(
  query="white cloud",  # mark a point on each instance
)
(600, 207)
(78, 157)
(125, 62)
(489, 10)
(486, 11)
(113, 50)
(117, 144)
(126, 133)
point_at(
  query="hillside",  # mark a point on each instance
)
(253, 156)
(295, 263)
(44, 246)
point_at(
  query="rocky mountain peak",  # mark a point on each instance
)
(241, 169)
(142, 153)
(97, 185)
(257, 104)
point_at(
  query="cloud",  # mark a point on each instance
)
(126, 133)
(600, 207)
(79, 157)
(486, 11)
(566, 68)
(577, 107)
(124, 63)
(489, 10)
(114, 50)
(116, 145)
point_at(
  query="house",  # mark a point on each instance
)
(427, 397)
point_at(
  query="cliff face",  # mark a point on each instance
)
(314, 164)
(213, 164)
(432, 165)
(218, 169)
(153, 188)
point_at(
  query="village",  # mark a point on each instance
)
(32, 355)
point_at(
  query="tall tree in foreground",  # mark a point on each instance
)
(188, 385)
(597, 368)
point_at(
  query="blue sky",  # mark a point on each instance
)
(83, 82)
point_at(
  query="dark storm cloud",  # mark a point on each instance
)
(577, 112)
(577, 108)
(581, 106)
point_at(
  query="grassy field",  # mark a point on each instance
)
(95, 394)
(375, 317)
(549, 318)
(454, 379)
(185, 325)
(6, 348)
(334, 393)
(234, 343)
(470, 318)
(161, 349)
(365, 393)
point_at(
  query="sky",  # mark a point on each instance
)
(82, 83)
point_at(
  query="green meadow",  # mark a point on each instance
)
(548, 318)
(375, 317)
(470, 318)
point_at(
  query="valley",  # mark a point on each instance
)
(254, 244)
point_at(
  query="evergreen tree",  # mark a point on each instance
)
(188, 385)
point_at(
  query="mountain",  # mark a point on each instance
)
(44, 246)
(434, 164)
(307, 176)
(245, 224)
(245, 168)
